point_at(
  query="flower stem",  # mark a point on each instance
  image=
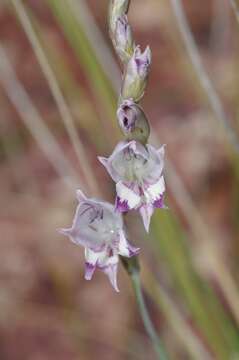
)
(132, 267)
(149, 327)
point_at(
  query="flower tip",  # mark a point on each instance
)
(102, 160)
(146, 213)
(148, 52)
(115, 285)
(64, 231)
(161, 150)
(111, 272)
(133, 251)
(89, 271)
(121, 205)
(136, 251)
(80, 195)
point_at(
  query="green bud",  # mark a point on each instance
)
(133, 122)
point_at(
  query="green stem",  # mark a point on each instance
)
(131, 265)
(149, 327)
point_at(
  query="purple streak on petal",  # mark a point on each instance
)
(121, 206)
(129, 193)
(127, 115)
(146, 212)
(124, 247)
(111, 272)
(142, 60)
(133, 251)
(89, 270)
(159, 203)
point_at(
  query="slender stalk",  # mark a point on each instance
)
(63, 108)
(235, 8)
(178, 320)
(33, 121)
(201, 73)
(149, 327)
(82, 13)
(132, 267)
(79, 41)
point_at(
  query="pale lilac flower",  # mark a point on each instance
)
(99, 228)
(137, 171)
(122, 39)
(136, 73)
(133, 121)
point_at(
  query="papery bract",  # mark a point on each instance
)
(136, 73)
(117, 8)
(137, 171)
(99, 228)
(123, 39)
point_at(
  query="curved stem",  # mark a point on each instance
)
(149, 327)
(201, 73)
(63, 108)
(235, 9)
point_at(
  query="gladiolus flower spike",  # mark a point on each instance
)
(135, 166)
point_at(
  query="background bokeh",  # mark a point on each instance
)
(189, 260)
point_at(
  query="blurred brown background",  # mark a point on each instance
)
(47, 309)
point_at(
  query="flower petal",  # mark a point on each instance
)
(121, 206)
(155, 191)
(103, 160)
(80, 195)
(107, 162)
(125, 249)
(159, 204)
(109, 265)
(70, 232)
(143, 60)
(80, 233)
(146, 211)
(91, 258)
(127, 196)
(89, 270)
(156, 163)
(161, 151)
(111, 272)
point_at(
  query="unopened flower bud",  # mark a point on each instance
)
(123, 39)
(117, 8)
(136, 73)
(133, 121)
